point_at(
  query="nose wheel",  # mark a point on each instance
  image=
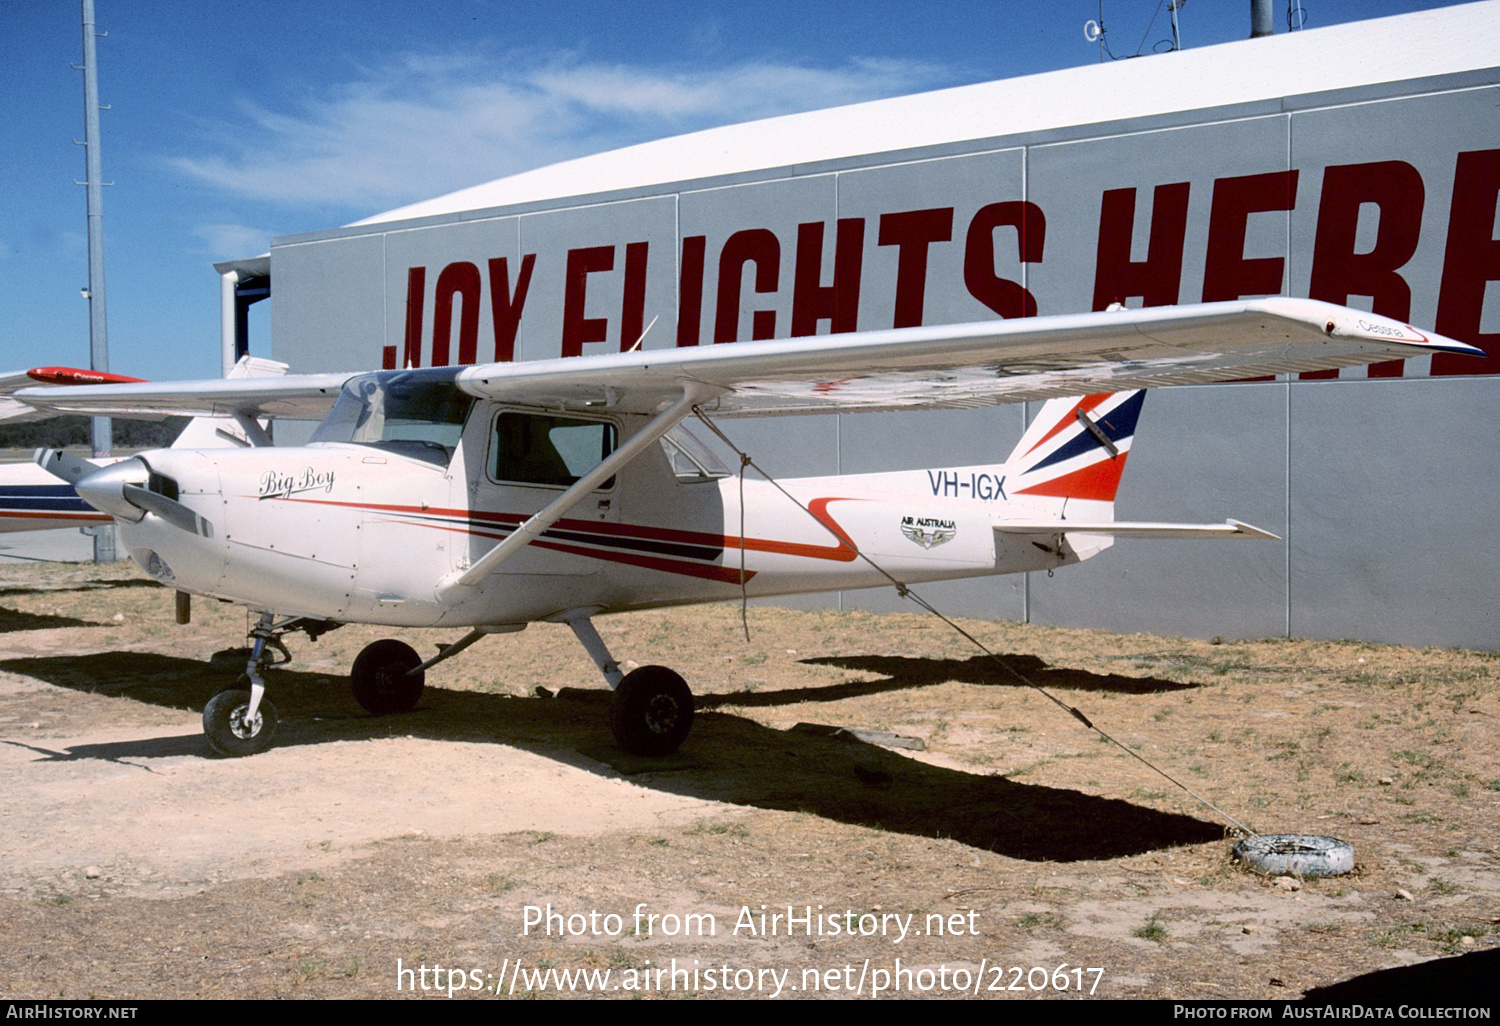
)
(232, 729)
(242, 720)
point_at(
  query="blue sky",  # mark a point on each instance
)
(231, 124)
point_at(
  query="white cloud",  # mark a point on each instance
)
(426, 125)
(229, 241)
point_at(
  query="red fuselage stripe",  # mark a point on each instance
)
(844, 552)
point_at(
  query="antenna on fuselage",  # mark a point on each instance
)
(644, 334)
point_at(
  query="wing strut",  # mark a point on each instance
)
(448, 589)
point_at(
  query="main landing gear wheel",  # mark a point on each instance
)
(652, 711)
(229, 733)
(381, 679)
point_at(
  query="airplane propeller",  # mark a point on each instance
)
(170, 510)
(121, 490)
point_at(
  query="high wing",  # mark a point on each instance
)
(980, 364)
(300, 396)
(961, 365)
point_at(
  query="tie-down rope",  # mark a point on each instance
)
(905, 592)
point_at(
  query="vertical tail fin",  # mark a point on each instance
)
(1076, 447)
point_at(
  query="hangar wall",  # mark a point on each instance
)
(1380, 482)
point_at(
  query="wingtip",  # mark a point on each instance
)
(1351, 324)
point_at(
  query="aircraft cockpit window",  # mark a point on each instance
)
(535, 449)
(690, 458)
(414, 414)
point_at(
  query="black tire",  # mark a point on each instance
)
(381, 681)
(225, 727)
(652, 711)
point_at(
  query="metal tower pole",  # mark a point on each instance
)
(101, 434)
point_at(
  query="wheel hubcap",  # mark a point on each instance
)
(240, 727)
(661, 715)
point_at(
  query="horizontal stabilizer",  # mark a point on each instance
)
(1125, 529)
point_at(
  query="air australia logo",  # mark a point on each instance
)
(928, 532)
(276, 485)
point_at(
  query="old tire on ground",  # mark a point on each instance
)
(652, 711)
(1301, 855)
(227, 730)
(380, 678)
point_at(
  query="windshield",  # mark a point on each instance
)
(414, 413)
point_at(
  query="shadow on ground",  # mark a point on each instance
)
(128, 582)
(1466, 980)
(17, 620)
(903, 672)
(727, 758)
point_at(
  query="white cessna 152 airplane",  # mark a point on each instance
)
(493, 496)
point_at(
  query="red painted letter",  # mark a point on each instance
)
(416, 294)
(460, 279)
(760, 246)
(838, 303)
(1005, 297)
(633, 305)
(578, 329)
(1471, 262)
(505, 306)
(690, 291)
(912, 232)
(1395, 189)
(1226, 272)
(1158, 278)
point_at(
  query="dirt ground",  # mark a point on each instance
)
(415, 854)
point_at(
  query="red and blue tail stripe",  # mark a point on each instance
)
(1076, 448)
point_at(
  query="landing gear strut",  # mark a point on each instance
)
(242, 720)
(652, 710)
(651, 713)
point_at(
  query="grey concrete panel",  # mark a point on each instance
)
(982, 598)
(892, 200)
(328, 313)
(929, 439)
(430, 251)
(610, 228)
(1423, 132)
(1068, 182)
(1394, 490)
(1200, 455)
(778, 207)
(784, 446)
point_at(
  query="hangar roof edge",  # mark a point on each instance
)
(1424, 44)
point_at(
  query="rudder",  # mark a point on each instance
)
(1076, 447)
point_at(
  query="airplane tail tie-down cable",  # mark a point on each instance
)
(905, 592)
